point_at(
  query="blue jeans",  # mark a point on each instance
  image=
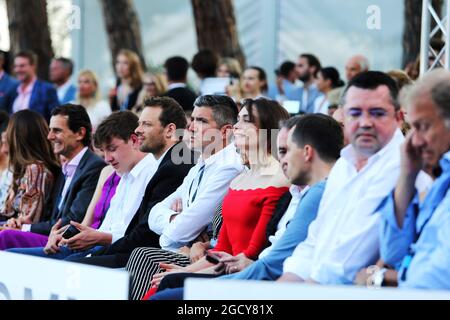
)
(64, 254)
(168, 294)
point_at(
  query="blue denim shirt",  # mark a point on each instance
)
(424, 263)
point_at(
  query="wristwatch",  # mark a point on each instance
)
(378, 278)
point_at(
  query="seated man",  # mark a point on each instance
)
(116, 138)
(158, 132)
(70, 134)
(313, 147)
(182, 217)
(415, 236)
(344, 237)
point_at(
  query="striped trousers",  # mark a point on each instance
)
(144, 264)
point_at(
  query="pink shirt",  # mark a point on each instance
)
(22, 101)
(68, 170)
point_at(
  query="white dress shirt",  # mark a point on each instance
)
(200, 203)
(297, 193)
(176, 85)
(345, 236)
(128, 197)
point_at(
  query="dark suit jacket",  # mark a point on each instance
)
(78, 195)
(131, 102)
(184, 96)
(165, 181)
(43, 99)
(280, 210)
(8, 92)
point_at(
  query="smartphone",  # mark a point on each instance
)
(212, 258)
(70, 232)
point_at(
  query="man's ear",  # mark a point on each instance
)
(308, 153)
(134, 139)
(81, 134)
(169, 131)
(226, 130)
(399, 116)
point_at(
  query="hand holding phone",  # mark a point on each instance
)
(210, 257)
(70, 232)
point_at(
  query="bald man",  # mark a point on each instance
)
(356, 65)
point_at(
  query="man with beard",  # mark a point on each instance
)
(307, 68)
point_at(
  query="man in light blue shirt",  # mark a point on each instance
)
(307, 68)
(415, 237)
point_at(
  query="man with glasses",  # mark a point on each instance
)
(344, 237)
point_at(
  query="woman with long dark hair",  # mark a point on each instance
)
(34, 167)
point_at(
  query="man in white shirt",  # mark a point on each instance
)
(344, 237)
(182, 216)
(116, 138)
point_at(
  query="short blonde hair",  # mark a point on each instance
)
(94, 79)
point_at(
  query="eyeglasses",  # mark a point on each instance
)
(374, 113)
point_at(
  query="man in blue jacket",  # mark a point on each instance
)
(32, 93)
(8, 86)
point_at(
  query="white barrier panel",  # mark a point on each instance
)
(29, 278)
(201, 289)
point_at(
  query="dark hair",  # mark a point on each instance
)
(28, 144)
(77, 119)
(120, 124)
(30, 55)
(371, 80)
(4, 120)
(176, 68)
(172, 112)
(289, 123)
(270, 113)
(331, 73)
(322, 132)
(67, 64)
(205, 63)
(313, 61)
(286, 68)
(262, 76)
(225, 110)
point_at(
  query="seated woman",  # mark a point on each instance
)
(34, 167)
(129, 74)
(104, 192)
(89, 97)
(5, 173)
(246, 209)
(154, 85)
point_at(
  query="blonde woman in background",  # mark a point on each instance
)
(154, 85)
(229, 68)
(89, 97)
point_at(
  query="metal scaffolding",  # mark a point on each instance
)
(442, 20)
